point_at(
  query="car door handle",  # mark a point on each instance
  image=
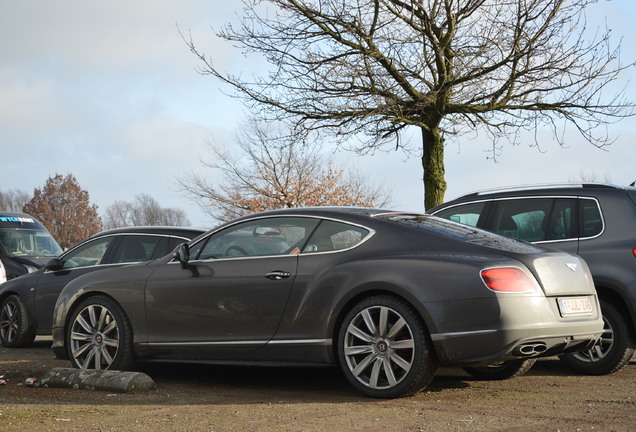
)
(277, 275)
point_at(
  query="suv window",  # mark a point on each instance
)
(592, 220)
(535, 219)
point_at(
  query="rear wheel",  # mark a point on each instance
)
(99, 336)
(501, 371)
(384, 348)
(15, 327)
(611, 352)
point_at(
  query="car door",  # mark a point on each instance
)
(233, 292)
(80, 260)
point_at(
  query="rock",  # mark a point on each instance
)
(106, 380)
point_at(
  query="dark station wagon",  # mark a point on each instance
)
(27, 302)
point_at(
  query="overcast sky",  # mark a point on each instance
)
(109, 92)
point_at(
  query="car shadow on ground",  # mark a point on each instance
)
(303, 382)
(205, 383)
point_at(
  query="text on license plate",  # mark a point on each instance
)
(575, 306)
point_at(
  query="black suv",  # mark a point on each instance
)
(25, 245)
(27, 302)
(595, 221)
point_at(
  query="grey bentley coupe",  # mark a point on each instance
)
(388, 296)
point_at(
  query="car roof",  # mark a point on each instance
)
(179, 231)
(545, 188)
(326, 211)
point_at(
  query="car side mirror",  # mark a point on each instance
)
(54, 264)
(182, 254)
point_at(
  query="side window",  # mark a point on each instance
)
(135, 248)
(332, 236)
(467, 214)
(562, 224)
(88, 254)
(163, 248)
(167, 245)
(591, 218)
(536, 219)
(522, 219)
(260, 237)
(173, 242)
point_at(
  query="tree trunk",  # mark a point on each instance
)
(433, 166)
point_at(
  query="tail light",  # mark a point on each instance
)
(634, 251)
(509, 280)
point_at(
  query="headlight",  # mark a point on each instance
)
(3, 273)
(30, 268)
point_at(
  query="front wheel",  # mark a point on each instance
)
(611, 352)
(501, 371)
(384, 348)
(99, 336)
(16, 330)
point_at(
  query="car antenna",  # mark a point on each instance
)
(633, 183)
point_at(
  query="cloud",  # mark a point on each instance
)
(109, 92)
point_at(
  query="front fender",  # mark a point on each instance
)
(125, 285)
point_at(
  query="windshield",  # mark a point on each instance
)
(28, 243)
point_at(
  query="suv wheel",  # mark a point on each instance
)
(612, 351)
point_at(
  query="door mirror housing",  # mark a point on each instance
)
(182, 254)
(54, 264)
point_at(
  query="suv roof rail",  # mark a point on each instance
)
(582, 185)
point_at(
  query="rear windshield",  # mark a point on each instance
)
(458, 231)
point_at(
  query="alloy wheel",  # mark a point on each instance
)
(379, 347)
(9, 321)
(94, 338)
(601, 349)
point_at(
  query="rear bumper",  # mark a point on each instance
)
(467, 348)
(523, 327)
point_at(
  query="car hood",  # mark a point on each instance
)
(35, 261)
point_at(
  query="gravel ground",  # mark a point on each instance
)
(219, 398)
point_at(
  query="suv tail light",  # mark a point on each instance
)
(509, 280)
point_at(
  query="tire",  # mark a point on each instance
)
(612, 351)
(99, 336)
(16, 330)
(501, 371)
(384, 348)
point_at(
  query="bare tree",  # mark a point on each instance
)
(13, 200)
(65, 209)
(144, 211)
(590, 177)
(370, 69)
(272, 170)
